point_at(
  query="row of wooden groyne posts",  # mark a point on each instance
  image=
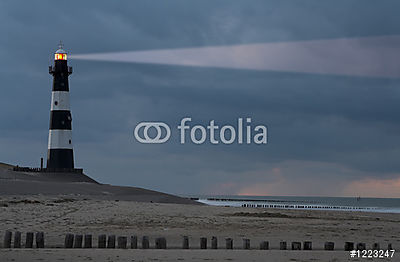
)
(111, 241)
(305, 207)
(286, 205)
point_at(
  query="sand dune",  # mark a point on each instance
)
(37, 183)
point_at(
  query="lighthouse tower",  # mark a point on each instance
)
(60, 155)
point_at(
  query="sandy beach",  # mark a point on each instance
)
(58, 215)
(173, 255)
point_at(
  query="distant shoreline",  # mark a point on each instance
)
(379, 205)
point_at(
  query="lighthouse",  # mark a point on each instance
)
(60, 154)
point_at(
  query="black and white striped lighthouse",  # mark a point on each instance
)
(60, 155)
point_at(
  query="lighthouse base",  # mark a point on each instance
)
(48, 170)
(60, 159)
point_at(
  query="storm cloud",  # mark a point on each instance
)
(326, 132)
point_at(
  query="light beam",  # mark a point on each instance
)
(363, 56)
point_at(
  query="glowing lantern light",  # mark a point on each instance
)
(59, 56)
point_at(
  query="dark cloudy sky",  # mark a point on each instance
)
(328, 134)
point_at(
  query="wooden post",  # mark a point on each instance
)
(17, 239)
(102, 241)
(7, 239)
(134, 242)
(185, 242)
(158, 243)
(69, 240)
(329, 246)
(88, 241)
(348, 246)
(361, 246)
(264, 245)
(39, 240)
(376, 246)
(229, 243)
(246, 243)
(145, 242)
(29, 240)
(164, 241)
(161, 243)
(296, 245)
(214, 242)
(111, 241)
(283, 245)
(122, 242)
(78, 241)
(307, 245)
(203, 243)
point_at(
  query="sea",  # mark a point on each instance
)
(381, 205)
